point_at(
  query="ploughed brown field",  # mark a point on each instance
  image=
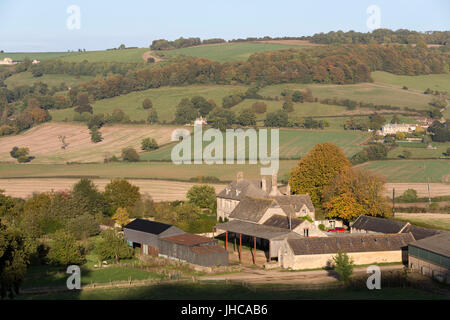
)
(45, 145)
(436, 189)
(159, 190)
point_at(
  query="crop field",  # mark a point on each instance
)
(44, 143)
(26, 78)
(411, 170)
(436, 189)
(427, 220)
(124, 55)
(293, 143)
(229, 51)
(159, 190)
(164, 101)
(440, 82)
(36, 55)
(138, 170)
(366, 92)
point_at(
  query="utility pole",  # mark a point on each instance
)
(393, 202)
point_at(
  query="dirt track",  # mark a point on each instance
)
(157, 189)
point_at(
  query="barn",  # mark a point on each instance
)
(145, 234)
(164, 240)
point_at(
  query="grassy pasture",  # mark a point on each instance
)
(26, 78)
(410, 170)
(366, 92)
(440, 82)
(125, 55)
(427, 220)
(164, 100)
(229, 51)
(293, 143)
(417, 152)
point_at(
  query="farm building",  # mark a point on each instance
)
(366, 224)
(308, 253)
(431, 256)
(393, 128)
(194, 249)
(160, 239)
(146, 234)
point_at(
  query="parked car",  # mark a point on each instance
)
(338, 229)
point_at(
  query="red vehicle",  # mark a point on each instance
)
(338, 229)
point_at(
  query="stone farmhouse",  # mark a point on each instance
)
(393, 128)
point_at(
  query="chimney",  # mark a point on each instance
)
(240, 176)
(274, 191)
(263, 184)
(288, 189)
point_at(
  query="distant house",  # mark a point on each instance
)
(35, 61)
(200, 121)
(367, 224)
(7, 61)
(164, 240)
(393, 128)
(431, 256)
(318, 252)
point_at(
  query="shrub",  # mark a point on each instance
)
(130, 154)
(96, 135)
(343, 266)
(322, 227)
(147, 103)
(149, 144)
(65, 250)
(259, 107)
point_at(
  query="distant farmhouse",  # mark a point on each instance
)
(164, 240)
(7, 61)
(393, 128)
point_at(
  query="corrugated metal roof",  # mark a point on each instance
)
(253, 229)
(363, 243)
(439, 244)
(188, 239)
(375, 224)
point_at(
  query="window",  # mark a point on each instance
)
(306, 232)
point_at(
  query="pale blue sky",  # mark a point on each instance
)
(27, 25)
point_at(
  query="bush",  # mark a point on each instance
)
(343, 266)
(322, 227)
(147, 104)
(259, 107)
(96, 135)
(149, 144)
(130, 154)
(65, 250)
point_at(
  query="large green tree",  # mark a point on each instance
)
(121, 194)
(203, 196)
(65, 250)
(113, 246)
(316, 170)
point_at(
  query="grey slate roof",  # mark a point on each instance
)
(366, 243)
(439, 244)
(148, 226)
(296, 201)
(256, 230)
(420, 233)
(380, 225)
(251, 209)
(279, 221)
(237, 190)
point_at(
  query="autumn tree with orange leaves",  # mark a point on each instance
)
(316, 170)
(353, 193)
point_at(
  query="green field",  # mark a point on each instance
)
(422, 220)
(26, 78)
(293, 143)
(365, 92)
(36, 55)
(234, 291)
(228, 51)
(410, 170)
(437, 150)
(165, 100)
(124, 55)
(440, 82)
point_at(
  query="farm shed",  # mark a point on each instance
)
(267, 238)
(431, 256)
(146, 234)
(307, 253)
(194, 249)
(365, 224)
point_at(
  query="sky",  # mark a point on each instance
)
(42, 25)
